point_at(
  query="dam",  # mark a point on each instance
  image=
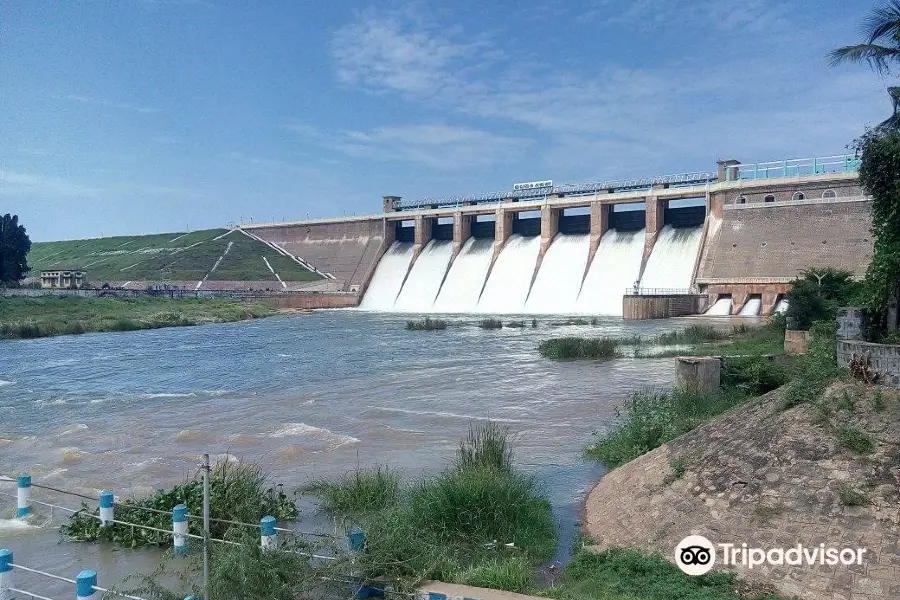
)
(728, 242)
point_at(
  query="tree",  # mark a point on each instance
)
(880, 49)
(14, 248)
(879, 174)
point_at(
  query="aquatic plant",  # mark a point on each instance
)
(579, 348)
(491, 323)
(426, 324)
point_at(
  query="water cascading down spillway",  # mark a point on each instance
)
(424, 280)
(671, 263)
(388, 278)
(558, 281)
(616, 266)
(507, 287)
(466, 277)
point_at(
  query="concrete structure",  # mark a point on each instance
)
(796, 342)
(71, 279)
(699, 373)
(763, 224)
(662, 306)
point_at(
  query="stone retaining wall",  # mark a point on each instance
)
(884, 358)
(637, 308)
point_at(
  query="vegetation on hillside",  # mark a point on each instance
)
(172, 257)
(14, 247)
(24, 317)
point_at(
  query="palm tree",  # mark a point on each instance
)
(880, 49)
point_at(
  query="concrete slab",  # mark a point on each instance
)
(452, 591)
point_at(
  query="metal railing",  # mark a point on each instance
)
(573, 189)
(642, 291)
(841, 163)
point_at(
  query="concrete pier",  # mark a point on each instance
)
(462, 231)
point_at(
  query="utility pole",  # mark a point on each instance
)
(206, 473)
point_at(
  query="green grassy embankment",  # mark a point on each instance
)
(22, 317)
(169, 256)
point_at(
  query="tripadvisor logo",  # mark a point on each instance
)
(696, 555)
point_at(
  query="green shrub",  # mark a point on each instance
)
(491, 323)
(855, 439)
(753, 374)
(579, 348)
(878, 401)
(620, 574)
(426, 324)
(486, 446)
(511, 573)
(516, 324)
(852, 497)
(238, 492)
(695, 334)
(649, 419)
(358, 491)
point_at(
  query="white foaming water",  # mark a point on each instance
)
(13, 525)
(558, 281)
(721, 308)
(332, 440)
(388, 278)
(751, 307)
(507, 286)
(782, 306)
(615, 267)
(424, 280)
(671, 263)
(464, 282)
(4, 382)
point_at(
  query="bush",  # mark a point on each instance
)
(512, 573)
(359, 491)
(238, 492)
(695, 334)
(485, 447)
(426, 324)
(491, 324)
(814, 371)
(620, 574)
(516, 324)
(852, 497)
(818, 293)
(855, 439)
(650, 418)
(579, 348)
(754, 375)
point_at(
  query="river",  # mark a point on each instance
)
(304, 395)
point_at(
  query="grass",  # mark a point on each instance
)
(579, 348)
(480, 522)
(516, 324)
(24, 318)
(812, 372)
(238, 492)
(171, 256)
(695, 334)
(650, 418)
(620, 574)
(855, 439)
(426, 324)
(359, 491)
(852, 497)
(491, 323)
(754, 375)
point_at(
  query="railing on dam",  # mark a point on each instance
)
(569, 189)
(842, 163)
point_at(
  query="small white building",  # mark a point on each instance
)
(64, 279)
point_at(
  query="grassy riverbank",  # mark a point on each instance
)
(24, 318)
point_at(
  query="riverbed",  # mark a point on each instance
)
(303, 395)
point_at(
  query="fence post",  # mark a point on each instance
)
(23, 495)
(268, 538)
(107, 510)
(179, 528)
(6, 559)
(84, 584)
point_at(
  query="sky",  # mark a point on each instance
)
(144, 116)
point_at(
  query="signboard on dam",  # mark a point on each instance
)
(532, 185)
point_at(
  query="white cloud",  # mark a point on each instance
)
(17, 183)
(711, 15)
(435, 145)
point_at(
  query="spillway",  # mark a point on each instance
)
(671, 263)
(751, 308)
(782, 306)
(507, 286)
(616, 266)
(721, 308)
(388, 278)
(556, 287)
(466, 277)
(424, 279)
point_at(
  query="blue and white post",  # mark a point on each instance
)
(23, 495)
(267, 533)
(6, 562)
(84, 584)
(180, 528)
(107, 510)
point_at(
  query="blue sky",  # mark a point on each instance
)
(143, 116)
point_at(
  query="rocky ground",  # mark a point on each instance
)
(816, 473)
